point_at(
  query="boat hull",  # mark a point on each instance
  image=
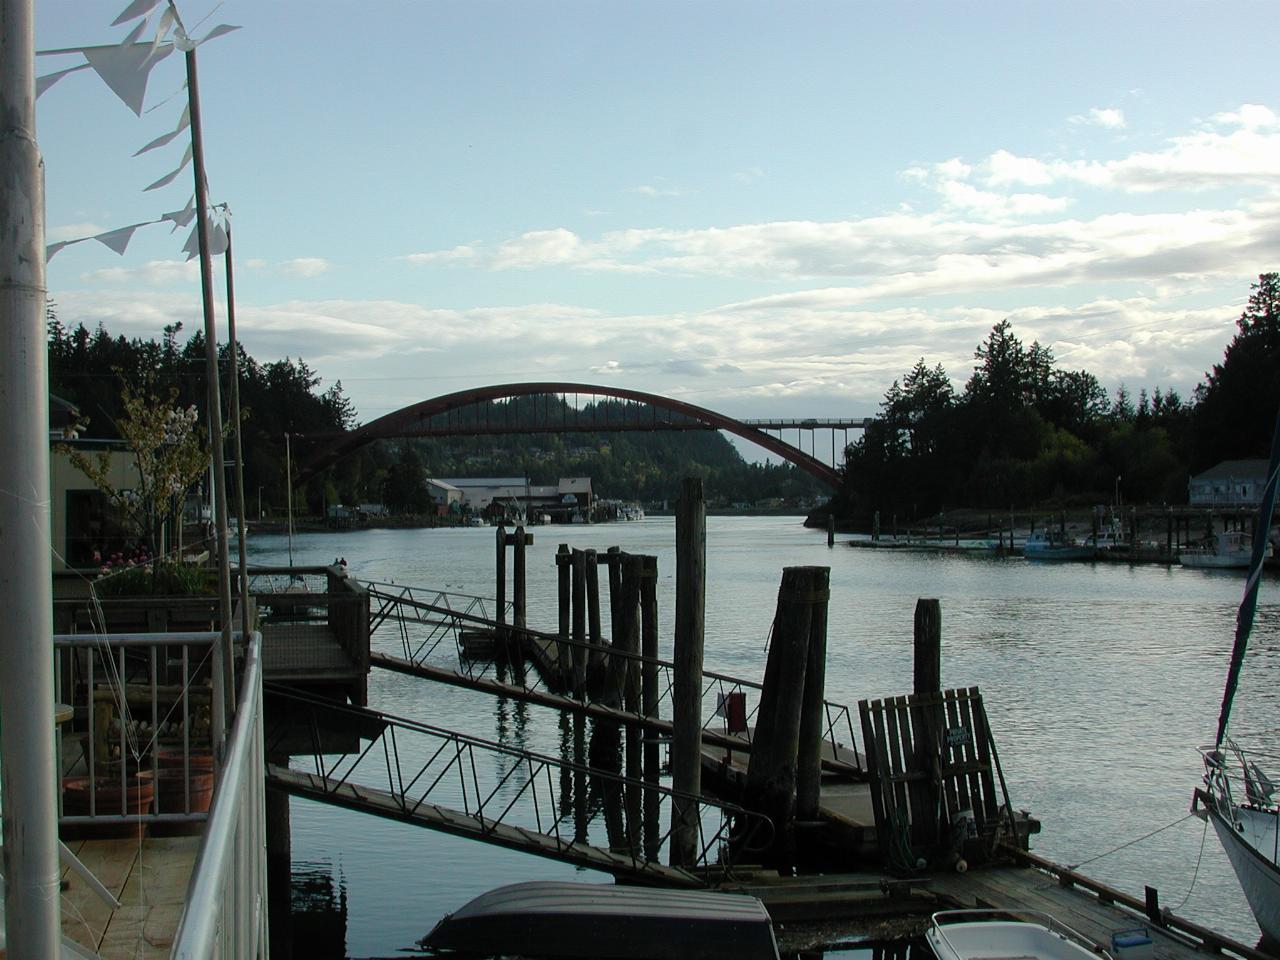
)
(1059, 554)
(1258, 874)
(1213, 561)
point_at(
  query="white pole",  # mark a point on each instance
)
(29, 771)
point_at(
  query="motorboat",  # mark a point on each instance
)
(1231, 550)
(1053, 545)
(990, 934)
(544, 918)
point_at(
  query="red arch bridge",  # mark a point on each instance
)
(525, 408)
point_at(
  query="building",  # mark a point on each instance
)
(83, 524)
(1232, 483)
(514, 498)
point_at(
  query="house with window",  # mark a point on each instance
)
(1232, 483)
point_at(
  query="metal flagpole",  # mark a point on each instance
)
(224, 660)
(28, 775)
(234, 374)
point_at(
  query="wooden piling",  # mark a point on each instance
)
(813, 727)
(649, 695)
(686, 743)
(614, 559)
(632, 574)
(831, 529)
(928, 646)
(579, 616)
(500, 565)
(592, 570)
(564, 575)
(521, 595)
(775, 744)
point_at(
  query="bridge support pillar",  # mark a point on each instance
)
(279, 870)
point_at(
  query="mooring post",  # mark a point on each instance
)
(831, 529)
(632, 574)
(500, 565)
(590, 566)
(928, 646)
(686, 741)
(579, 623)
(649, 701)
(614, 559)
(522, 540)
(563, 596)
(813, 728)
(279, 867)
(775, 743)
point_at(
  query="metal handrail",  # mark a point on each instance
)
(451, 755)
(417, 651)
(225, 906)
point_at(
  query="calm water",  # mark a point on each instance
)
(1099, 683)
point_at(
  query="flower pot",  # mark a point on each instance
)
(110, 799)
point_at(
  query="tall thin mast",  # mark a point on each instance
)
(234, 375)
(29, 773)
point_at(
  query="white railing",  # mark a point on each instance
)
(226, 907)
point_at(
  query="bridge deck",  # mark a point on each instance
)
(383, 803)
(293, 651)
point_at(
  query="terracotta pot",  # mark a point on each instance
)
(201, 761)
(172, 797)
(111, 800)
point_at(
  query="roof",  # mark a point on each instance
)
(1235, 469)
(574, 485)
(465, 482)
(442, 484)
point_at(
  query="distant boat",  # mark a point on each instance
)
(975, 934)
(1050, 544)
(1223, 551)
(560, 919)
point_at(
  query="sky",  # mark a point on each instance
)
(767, 209)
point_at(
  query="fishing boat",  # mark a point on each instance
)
(560, 919)
(1053, 545)
(1237, 796)
(1231, 550)
(987, 934)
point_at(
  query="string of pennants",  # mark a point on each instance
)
(125, 68)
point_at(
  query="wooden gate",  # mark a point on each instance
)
(932, 767)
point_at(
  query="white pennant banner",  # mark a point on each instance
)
(118, 240)
(180, 218)
(168, 178)
(125, 69)
(139, 8)
(49, 79)
(168, 137)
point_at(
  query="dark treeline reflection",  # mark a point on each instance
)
(318, 912)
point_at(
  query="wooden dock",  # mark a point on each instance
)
(149, 877)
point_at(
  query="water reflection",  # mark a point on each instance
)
(318, 912)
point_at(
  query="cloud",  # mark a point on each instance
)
(1110, 118)
(658, 189)
(74, 231)
(455, 255)
(749, 175)
(305, 267)
(155, 273)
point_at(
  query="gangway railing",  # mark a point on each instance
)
(465, 785)
(574, 669)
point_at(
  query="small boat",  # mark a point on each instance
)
(545, 918)
(987, 934)
(1050, 544)
(1222, 551)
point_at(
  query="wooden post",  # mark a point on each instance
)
(563, 597)
(500, 565)
(591, 568)
(579, 623)
(615, 588)
(632, 574)
(775, 743)
(928, 646)
(521, 597)
(649, 695)
(686, 741)
(813, 727)
(831, 529)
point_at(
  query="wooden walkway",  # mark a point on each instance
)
(304, 652)
(149, 877)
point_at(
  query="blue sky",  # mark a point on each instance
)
(768, 209)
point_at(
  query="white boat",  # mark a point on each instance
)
(1050, 544)
(1237, 796)
(989, 934)
(1223, 551)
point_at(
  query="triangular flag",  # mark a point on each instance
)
(135, 33)
(217, 239)
(125, 68)
(180, 218)
(184, 43)
(139, 8)
(162, 28)
(220, 30)
(192, 247)
(53, 248)
(49, 79)
(168, 178)
(118, 240)
(168, 137)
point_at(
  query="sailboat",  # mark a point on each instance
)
(1238, 798)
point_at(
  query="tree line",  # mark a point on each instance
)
(1023, 432)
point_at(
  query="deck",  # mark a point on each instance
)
(149, 877)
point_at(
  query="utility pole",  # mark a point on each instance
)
(28, 778)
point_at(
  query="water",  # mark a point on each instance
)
(1099, 683)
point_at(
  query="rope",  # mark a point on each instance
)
(1130, 843)
(1196, 873)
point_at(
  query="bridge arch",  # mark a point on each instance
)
(414, 421)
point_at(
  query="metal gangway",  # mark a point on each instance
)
(401, 769)
(436, 631)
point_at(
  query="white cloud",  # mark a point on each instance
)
(658, 189)
(455, 255)
(74, 231)
(749, 175)
(1111, 118)
(1251, 116)
(305, 267)
(155, 273)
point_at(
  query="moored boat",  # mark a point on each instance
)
(1050, 544)
(985, 934)
(1231, 550)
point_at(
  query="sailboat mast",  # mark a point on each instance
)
(1249, 602)
(28, 776)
